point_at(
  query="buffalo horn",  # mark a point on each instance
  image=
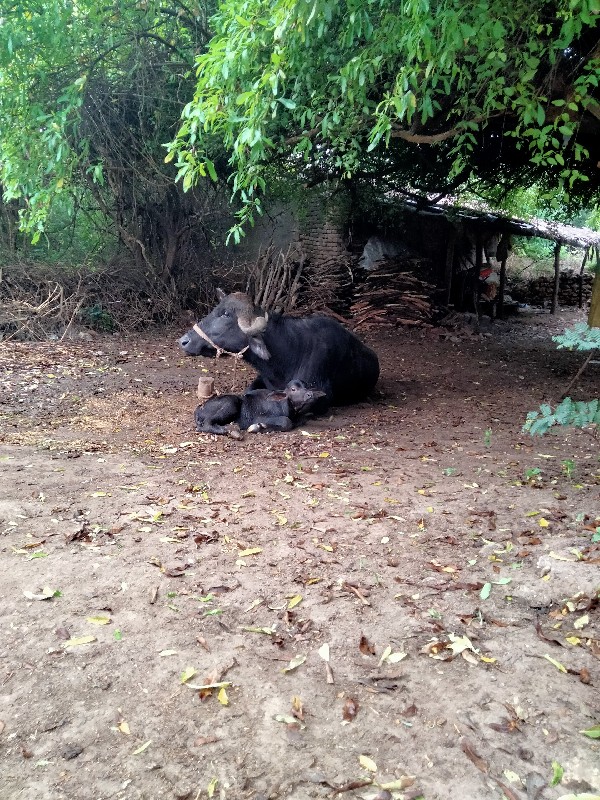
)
(252, 325)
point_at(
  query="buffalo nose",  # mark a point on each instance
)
(184, 341)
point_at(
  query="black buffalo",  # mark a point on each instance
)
(257, 409)
(316, 350)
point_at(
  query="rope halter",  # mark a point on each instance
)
(220, 350)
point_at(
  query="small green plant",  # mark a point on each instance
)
(487, 437)
(568, 466)
(98, 318)
(448, 471)
(533, 475)
(596, 536)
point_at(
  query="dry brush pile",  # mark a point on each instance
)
(38, 301)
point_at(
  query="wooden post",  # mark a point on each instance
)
(504, 246)
(580, 279)
(478, 265)
(554, 305)
(449, 270)
(594, 317)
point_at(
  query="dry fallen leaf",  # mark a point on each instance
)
(45, 594)
(350, 709)
(365, 647)
(202, 740)
(288, 719)
(143, 747)
(294, 663)
(297, 708)
(367, 763)
(79, 640)
(187, 673)
(584, 675)
(470, 753)
(222, 697)
(324, 651)
(252, 551)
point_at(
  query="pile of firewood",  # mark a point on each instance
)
(388, 297)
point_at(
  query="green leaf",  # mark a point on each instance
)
(557, 773)
(211, 170)
(485, 591)
(287, 102)
(592, 733)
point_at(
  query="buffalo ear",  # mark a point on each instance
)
(318, 393)
(258, 346)
(221, 294)
(277, 396)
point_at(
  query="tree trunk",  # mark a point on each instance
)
(554, 305)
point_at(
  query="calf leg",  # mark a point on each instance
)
(264, 423)
(206, 426)
(216, 414)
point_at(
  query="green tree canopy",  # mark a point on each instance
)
(419, 92)
(89, 94)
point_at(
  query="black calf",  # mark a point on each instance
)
(257, 409)
(217, 413)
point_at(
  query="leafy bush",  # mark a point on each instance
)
(98, 318)
(579, 337)
(578, 414)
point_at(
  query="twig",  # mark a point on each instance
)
(73, 315)
(350, 588)
(580, 371)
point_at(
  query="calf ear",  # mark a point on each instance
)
(277, 396)
(318, 393)
(258, 346)
(221, 294)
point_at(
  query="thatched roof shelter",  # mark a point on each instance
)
(483, 221)
(495, 222)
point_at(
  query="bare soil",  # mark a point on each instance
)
(458, 597)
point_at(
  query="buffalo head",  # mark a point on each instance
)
(232, 327)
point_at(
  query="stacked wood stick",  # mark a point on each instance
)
(389, 296)
(273, 280)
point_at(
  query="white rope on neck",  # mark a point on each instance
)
(220, 350)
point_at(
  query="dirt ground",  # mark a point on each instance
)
(442, 560)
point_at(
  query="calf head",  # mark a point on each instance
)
(301, 398)
(232, 326)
